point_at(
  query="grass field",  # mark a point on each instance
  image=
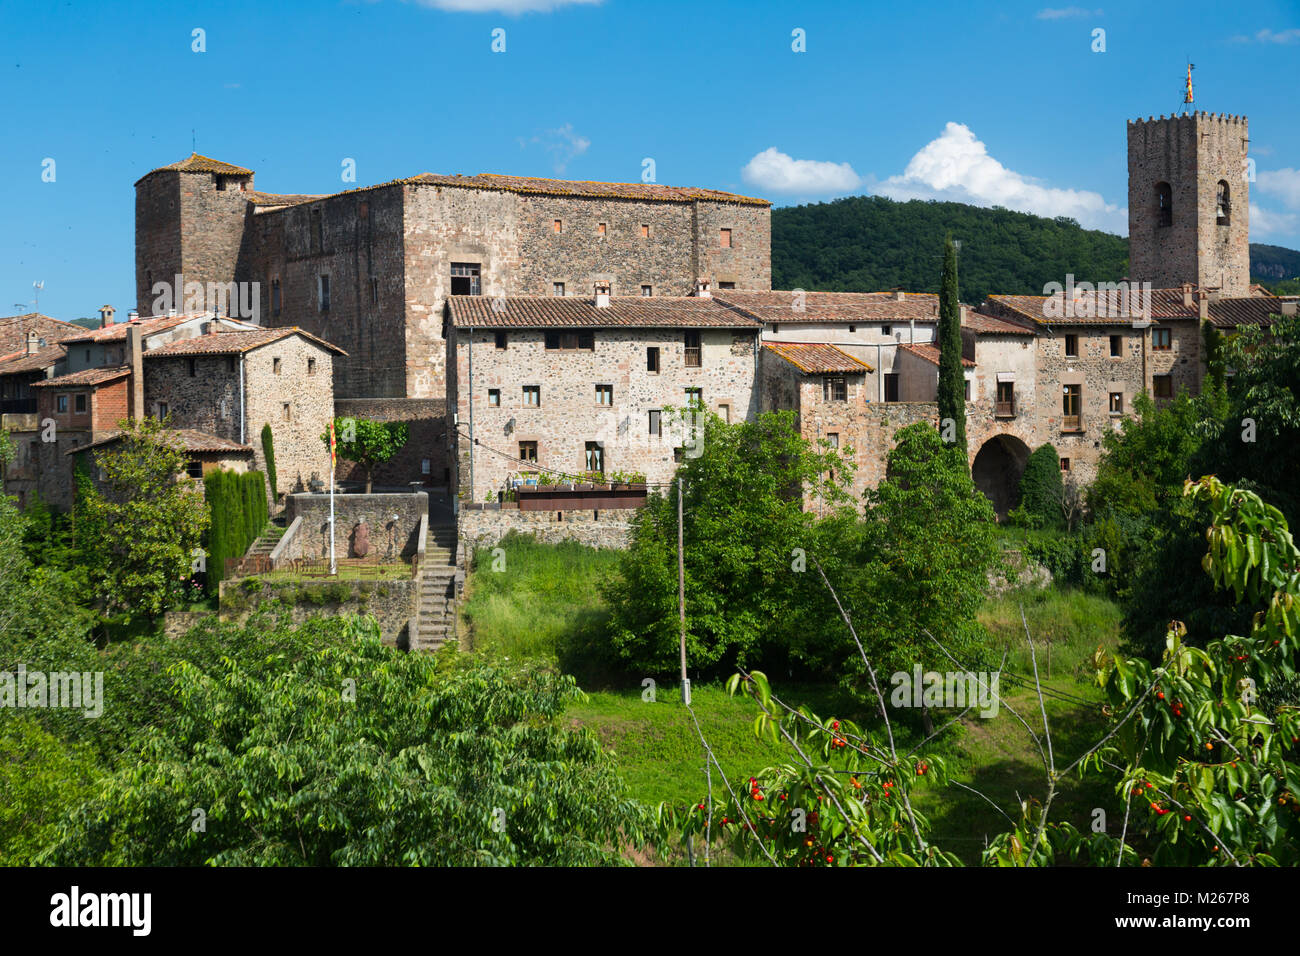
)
(546, 599)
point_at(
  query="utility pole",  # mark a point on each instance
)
(681, 595)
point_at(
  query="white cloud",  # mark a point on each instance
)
(957, 167)
(563, 144)
(777, 172)
(1264, 223)
(511, 7)
(1061, 13)
(1283, 183)
(1285, 36)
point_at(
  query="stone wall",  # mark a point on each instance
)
(299, 451)
(392, 603)
(569, 415)
(390, 540)
(607, 528)
(426, 419)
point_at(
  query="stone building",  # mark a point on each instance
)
(1189, 202)
(203, 452)
(571, 385)
(73, 411)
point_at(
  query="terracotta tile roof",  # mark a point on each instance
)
(234, 343)
(1226, 313)
(931, 353)
(778, 307)
(35, 362)
(988, 325)
(623, 311)
(150, 326)
(14, 329)
(816, 357)
(189, 439)
(87, 376)
(280, 199)
(1035, 309)
(195, 163)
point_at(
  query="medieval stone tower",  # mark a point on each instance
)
(1189, 202)
(189, 220)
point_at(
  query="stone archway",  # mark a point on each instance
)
(997, 469)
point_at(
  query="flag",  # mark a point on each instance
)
(334, 457)
(1187, 98)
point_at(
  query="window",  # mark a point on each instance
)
(1071, 403)
(605, 395)
(426, 466)
(1065, 464)
(275, 296)
(645, 231)
(557, 226)
(466, 278)
(891, 386)
(1163, 385)
(600, 229)
(500, 339)
(966, 389)
(193, 367)
(886, 330)
(1222, 205)
(323, 292)
(652, 359)
(833, 439)
(374, 291)
(726, 285)
(1164, 205)
(646, 291)
(311, 366)
(853, 328)
(595, 457)
(194, 469)
(835, 389)
(275, 365)
(693, 350)
(1161, 340)
(230, 363)
(79, 404)
(1004, 405)
(656, 423)
(528, 451)
(724, 238)
(1116, 346)
(1117, 403)
(494, 398)
(1072, 346)
(286, 412)
(557, 288)
(163, 409)
(569, 341)
(61, 403)
(776, 327)
(694, 395)
(724, 412)
(532, 396)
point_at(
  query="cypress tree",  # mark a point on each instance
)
(1041, 487)
(952, 383)
(268, 449)
(213, 491)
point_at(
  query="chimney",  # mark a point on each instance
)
(1187, 295)
(137, 372)
(702, 288)
(1289, 307)
(106, 316)
(133, 316)
(899, 295)
(602, 295)
(33, 342)
(1203, 303)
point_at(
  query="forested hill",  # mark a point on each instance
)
(869, 244)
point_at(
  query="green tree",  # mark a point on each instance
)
(744, 516)
(142, 528)
(368, 443)
(268, 449)
(1041, 489)
(952, 382)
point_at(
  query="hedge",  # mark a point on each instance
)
(237, 505)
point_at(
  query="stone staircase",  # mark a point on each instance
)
(435, 622)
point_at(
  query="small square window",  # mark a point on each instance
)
(528, 451)
(1065, 464)
(694, 395)
(645, 231)
(532, 396)
(194, 469)
(652, 359)
(501, 340)
(557, 288)
(1161, 340)
(724, 238)
(1117, 403)
(833, 438)
(494, 397)
(835, 389)
(726, 285)
(61, 403)
(600, 228)
(557, 226)
(853, 328)
(605, 395)
(646, 291)
(79, 403)
(1163, 386)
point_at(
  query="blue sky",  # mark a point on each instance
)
(993, 103)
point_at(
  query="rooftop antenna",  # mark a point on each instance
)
(193, 142)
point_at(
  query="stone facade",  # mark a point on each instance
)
(391, 602)
(428, 442)
(391, 540)
(106, 403)
(1195, 239)
(607, 528)
(570, 415)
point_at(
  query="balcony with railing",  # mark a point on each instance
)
(692, 356)
(1004, 408)
(1071, 423)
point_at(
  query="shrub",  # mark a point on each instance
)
(1041, 489)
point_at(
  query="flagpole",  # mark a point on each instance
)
(333, 458)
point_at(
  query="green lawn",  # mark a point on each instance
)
(544, 601)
